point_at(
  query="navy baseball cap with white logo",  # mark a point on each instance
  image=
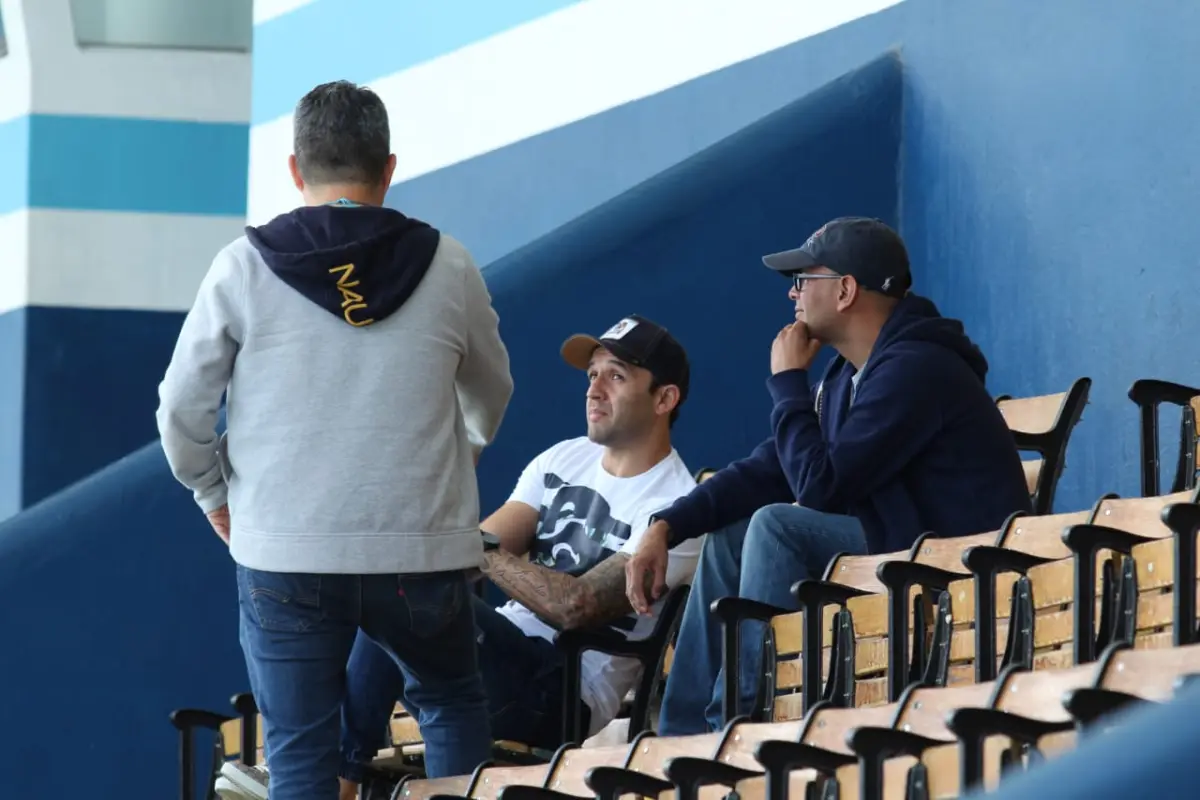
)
(640, 342)
(863, 248)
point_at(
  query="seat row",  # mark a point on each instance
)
(894, 623)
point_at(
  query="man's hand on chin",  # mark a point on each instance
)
(219, 519)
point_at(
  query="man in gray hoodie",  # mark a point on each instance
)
(364, 372)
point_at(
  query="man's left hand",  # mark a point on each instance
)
(219, 519)
(794, 348)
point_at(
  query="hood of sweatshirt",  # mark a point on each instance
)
(359, 263)
(916, 319)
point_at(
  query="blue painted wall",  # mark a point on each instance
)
(1047, 187)
(135, 600)
(116, 606)
(12, 403)
(90, 389)
(1051, 183)
(80, 391)
(684, 248)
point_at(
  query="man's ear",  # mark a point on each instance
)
(668, 399)
(294, 168)
(389, 170)
(848, 291)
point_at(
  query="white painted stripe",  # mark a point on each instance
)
(101, 259)
(177, 84)
(555, 70)
(270, 9)
(14, 277)
(15, 84)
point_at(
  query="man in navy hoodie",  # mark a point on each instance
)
(898, 438)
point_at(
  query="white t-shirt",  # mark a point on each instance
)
(585, 515)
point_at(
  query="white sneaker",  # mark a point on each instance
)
(239, 782)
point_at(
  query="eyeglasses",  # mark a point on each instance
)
(799, 278)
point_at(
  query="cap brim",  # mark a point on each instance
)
(790, 261)
(577, 350)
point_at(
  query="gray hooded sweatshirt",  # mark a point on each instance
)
(364, 372)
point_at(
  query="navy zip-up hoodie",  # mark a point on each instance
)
(918, 446)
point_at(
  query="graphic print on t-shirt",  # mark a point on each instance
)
(576, 529)
(585, 516)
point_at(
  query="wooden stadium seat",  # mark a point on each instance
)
(1149, 395)
(933, 743)
(1043, 425)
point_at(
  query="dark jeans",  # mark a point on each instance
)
(297, 631)
(522, 677)
(758, 559)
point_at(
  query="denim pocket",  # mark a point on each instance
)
(433, 600)
(282, 602)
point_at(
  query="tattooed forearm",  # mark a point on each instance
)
(563, 600)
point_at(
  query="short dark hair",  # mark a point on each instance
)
(341, 135)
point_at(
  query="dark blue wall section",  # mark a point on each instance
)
(1051, 186)
(510, 197)
(117, 605)
(684, 249)
(127, 600)
(12, 402)
(91, 387)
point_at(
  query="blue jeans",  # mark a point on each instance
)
(522, 678)
(758, 559)
(297, 631)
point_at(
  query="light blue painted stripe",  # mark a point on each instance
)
(361, 40)
(14, 164)
(125, 164)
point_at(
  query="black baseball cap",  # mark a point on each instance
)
(640, 342)
(864, 248)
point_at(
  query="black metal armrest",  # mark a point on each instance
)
(186, 721)
(974, 725)
(1086, 705)
(574, 643)
(987, 560)
(813, 595)
(824, 592)
(1085, 539)
(735, 609)
(731, 611)
(871, 742)
(980, 723)
(899, 575)
(781, 757)
(244, 704)
(609, 783)
(1150, 391)
(605, 640)
(515, 792)
(689, 773)
(192, 718)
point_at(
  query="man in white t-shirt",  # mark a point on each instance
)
(576, 515)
